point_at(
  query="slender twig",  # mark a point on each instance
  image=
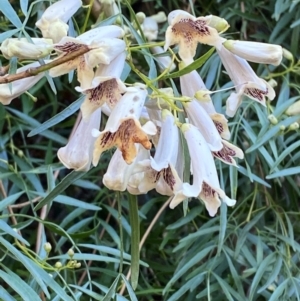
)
(8, 78)
(158, 214)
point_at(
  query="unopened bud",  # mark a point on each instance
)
(282, 128)
(272, 82)
(218, 23)
(159, 17)
(47, 247)
(20, 153)
(71, 253)
(140, 17)
(58, 265)
(287, 54)
(294, 126)
(272, 119)
(78, 265)
(294, 109)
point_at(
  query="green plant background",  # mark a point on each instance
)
(249, 252)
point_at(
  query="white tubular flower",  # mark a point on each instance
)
(119, 172)
(263, 53)
(164, 62)
(106, 87)
(187, 31)
(12, 90)
(205, 179)
(23, 49)
(104, 51)
(227, 153)
(123, 128)
(150, 29)
(191, 83)
(77, 154)
(198, 117)
(245, 80)
(159, 172)
(53, 21)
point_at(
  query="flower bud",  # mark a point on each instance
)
(273, 83)
(58, 265)
(282, 128)
(24, 49)
(273, 120)
(71, 253)
(160, 17)
(140, 17)
(287, 54)
(218, 23)
(77, 265)
(47, 247)
(294, 109)
(20, 153)
(294, 126)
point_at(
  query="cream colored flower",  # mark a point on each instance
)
(187, 31)
(77, 154)
(53, 23)
(12, 90)
(23, 49)
(263, 53)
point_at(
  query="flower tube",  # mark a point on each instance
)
(23, 49)
(205, 179)
(245, 81)
(10, 91)
(77, 154)
(263, 53)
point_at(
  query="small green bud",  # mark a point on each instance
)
(58, 265)
(294, 126)
(47, 247)
(20, 153)
(71, 253)
(282, 128)
(273, 120)
(140, 16)
(294, 109)
(77, 265)
(287, 54)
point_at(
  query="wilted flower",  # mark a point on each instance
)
(10, 91)
(187, 31)
(24, 49)
(53, 23)
(263, 53)
(77, 154)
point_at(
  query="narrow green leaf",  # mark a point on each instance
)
(279, 290)
(112, 290)
(284, 173)
(129, 289)
(70, 110)
(10, 13)
(61, 187)
(135, 239)
(5, 296)
(8, 230)
(223, 226)
(21, 287)
(7, 34)
(195, 65)
(24, 6)
(9, 200)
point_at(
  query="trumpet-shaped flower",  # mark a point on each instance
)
(205, 179)
(228, 152)
(123, 128)
(10, 91)
(245, 80)
(191, 83)
(263, 53)
(77, 154)
(53, 21)
(119, 172)
(198, 117)
(159, 172)
(187, 31)
(104, 51)
(106, 87)
(23, 49)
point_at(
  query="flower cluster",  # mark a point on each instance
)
(152, 131)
